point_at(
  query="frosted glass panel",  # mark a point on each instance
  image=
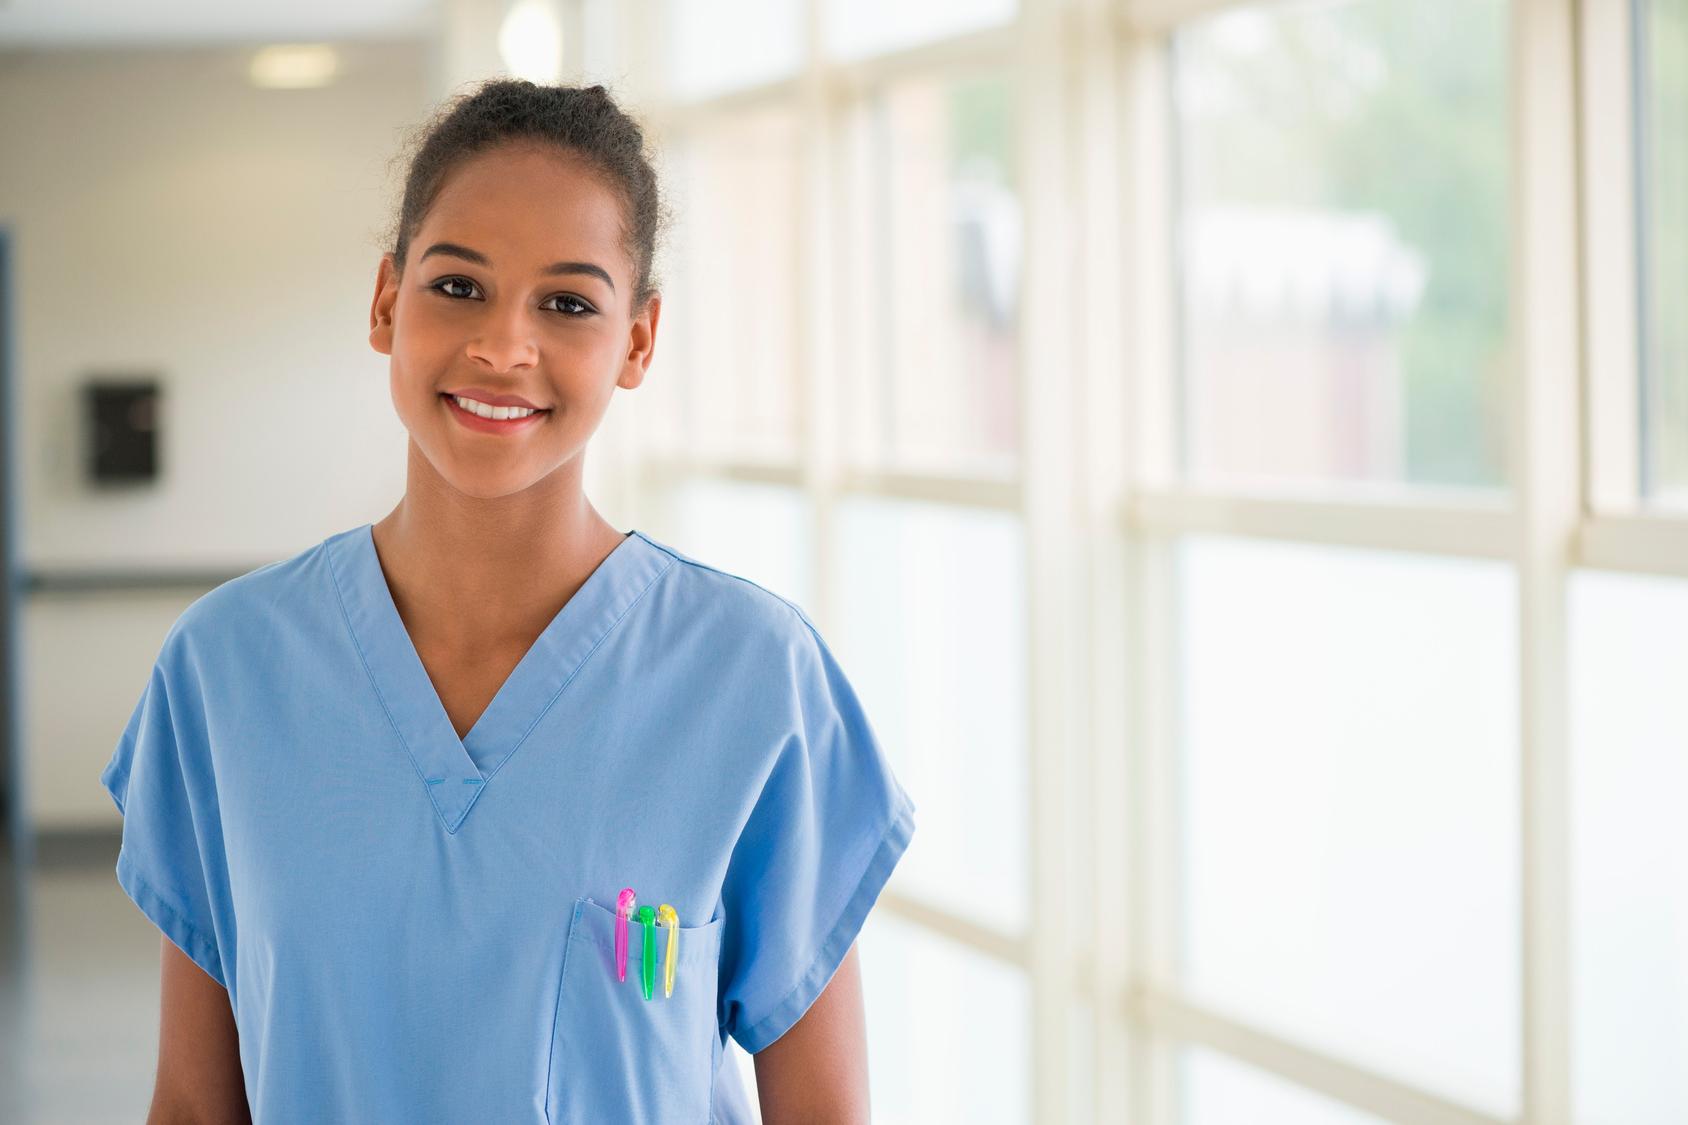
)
(1343, 240)
(1350, 799)
(727, 333)
(728, 44)
(861, 27)
(928, 306)
(947, 1029)
(932, 626)
(1629, 785)
(1216, 1089)
(762, 532)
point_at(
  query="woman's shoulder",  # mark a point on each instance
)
(229, 612)
(729, 601)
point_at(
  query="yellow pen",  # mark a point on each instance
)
(665, 916)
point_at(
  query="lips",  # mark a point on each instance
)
(505, 401)
(492, 399)
(492, 425)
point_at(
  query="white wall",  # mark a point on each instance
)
(168, 217)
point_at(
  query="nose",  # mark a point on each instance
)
(505, 340)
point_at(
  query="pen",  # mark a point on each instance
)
(623, 907)
(665, 916)
(647, 959)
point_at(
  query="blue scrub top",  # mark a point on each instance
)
(414, 927)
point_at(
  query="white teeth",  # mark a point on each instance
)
(496, 413)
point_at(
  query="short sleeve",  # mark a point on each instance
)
(822, 838)
(171, 832)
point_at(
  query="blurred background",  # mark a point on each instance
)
(1238, 449)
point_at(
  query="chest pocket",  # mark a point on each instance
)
(614, 1054)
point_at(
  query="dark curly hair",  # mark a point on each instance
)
(583, 121)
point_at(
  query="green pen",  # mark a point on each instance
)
(647, 975)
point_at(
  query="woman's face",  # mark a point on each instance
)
(517, 285)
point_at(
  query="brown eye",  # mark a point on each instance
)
(445, 281)
(581, 308)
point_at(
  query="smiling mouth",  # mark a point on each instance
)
(492, 412)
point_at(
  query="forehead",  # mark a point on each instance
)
(524, 206)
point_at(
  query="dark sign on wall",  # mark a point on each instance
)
(122, 417)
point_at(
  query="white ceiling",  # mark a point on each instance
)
(137, 23)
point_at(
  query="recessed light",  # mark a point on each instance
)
(294, 66)
(531, 42)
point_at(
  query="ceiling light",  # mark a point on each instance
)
(294, 66)
(531, 42)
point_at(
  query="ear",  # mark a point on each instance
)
(381, 308)
(641, 344)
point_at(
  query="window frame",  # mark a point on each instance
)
(1103, 506)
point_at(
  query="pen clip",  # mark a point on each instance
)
(623, 908)
(666, 916)
(647, 952)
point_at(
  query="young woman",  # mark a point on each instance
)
(489, 811)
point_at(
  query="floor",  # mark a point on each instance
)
(78, 990)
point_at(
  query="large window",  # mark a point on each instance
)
(836, 414)
(930, 334)
(1239, 450)
(734, 252)
(1343, 241)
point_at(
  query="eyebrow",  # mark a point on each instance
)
(454, 250)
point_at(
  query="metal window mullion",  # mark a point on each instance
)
(1153, 16)
(970, 52)
(1545, 458)
(1643, 543)
(1156, 891)
(1641, 167)
(1099, 167)
(985, 938)
(1148, 573)
(1468, 527)
(1612, 246)
(626, 451)
(1048, 431)
(966, 53)
(819, 216)
(1310, 1069)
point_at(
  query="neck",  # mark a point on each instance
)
(478, 569)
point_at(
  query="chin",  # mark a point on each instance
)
(489, 486)
(489, 479)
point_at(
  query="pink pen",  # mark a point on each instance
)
(623, 911)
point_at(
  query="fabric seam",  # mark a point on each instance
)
(877, 869)
(375, 685)
(752, 583)
(206, 948)
(583, 662)
(557, 1008)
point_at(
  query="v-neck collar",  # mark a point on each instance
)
(454, 771)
